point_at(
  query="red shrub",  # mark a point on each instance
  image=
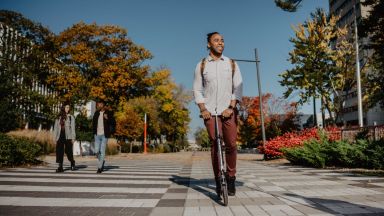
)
(294, 139)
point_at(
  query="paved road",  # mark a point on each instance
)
(181, 184)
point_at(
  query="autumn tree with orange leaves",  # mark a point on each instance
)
(279, 117)
(250, 128)
(99, 62)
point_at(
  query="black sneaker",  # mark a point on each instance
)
(98, 170)
(102, 166)
(73, 166)
(231, 185)
(218, 186)
(60, 169)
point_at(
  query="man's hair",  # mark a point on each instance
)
(100, 101)
(209, 35)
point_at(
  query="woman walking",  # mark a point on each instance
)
(64, 132)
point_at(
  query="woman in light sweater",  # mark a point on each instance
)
(64, 133)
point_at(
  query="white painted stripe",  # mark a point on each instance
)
(76, 202)
(137, 168)
(81, 189)
(304, 183)
(85, 180)
(107, 171)
(78, 174)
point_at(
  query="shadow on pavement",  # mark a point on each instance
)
(205, 186)
(78, 167)
(106, 168)
(332, 206)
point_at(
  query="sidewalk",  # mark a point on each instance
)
(182, 184)
(273, 189)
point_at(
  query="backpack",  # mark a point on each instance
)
(243, 113)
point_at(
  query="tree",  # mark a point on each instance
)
(202, 138)
(250, 129)
(84, 127)
(130, 118)
(373, 27)
(282, 115)
(129, 122)
(173, 100)
(99, 62)
(288, 5)
(24, 66)
(320, 70)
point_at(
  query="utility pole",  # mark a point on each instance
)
(358, 81)
(260, 95)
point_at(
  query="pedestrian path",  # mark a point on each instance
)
(125, 188)
(182, 184)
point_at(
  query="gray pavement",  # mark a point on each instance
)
(182, 184)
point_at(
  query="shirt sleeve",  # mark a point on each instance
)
(198, 90)
(237, 84)
(73, 127)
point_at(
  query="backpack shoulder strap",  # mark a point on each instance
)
(233, 66)
(202, 66)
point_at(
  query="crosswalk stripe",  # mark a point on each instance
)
(81, 189)
(85, 180)
(75, 174)
(74, 202)
(94, 171)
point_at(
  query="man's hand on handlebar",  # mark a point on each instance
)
(227, 113)
(206, 114)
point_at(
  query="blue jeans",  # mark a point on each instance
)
(100, 145)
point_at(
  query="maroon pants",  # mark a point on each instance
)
(228, 130)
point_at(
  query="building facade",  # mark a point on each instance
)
(347, 10)
(30, 93)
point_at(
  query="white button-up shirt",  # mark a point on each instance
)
(219, 86)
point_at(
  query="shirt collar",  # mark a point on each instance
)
(209, 58)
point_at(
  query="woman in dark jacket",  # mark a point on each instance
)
(64, 133)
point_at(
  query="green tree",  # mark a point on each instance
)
(83, 127)
(99, 62)
(288, 5)
(202, 138)
(373, 27)
(318, 67)
(24, 65)
(173, 99)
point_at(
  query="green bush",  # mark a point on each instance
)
(18, 151)
(162, 148)
(322, 153)
(344, 154)
(310, 154)
(126, 147)
(375, 154)
(44, 138)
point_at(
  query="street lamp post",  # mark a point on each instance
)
(358, 81)
(257, 61)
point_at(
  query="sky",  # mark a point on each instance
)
(174, 31)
